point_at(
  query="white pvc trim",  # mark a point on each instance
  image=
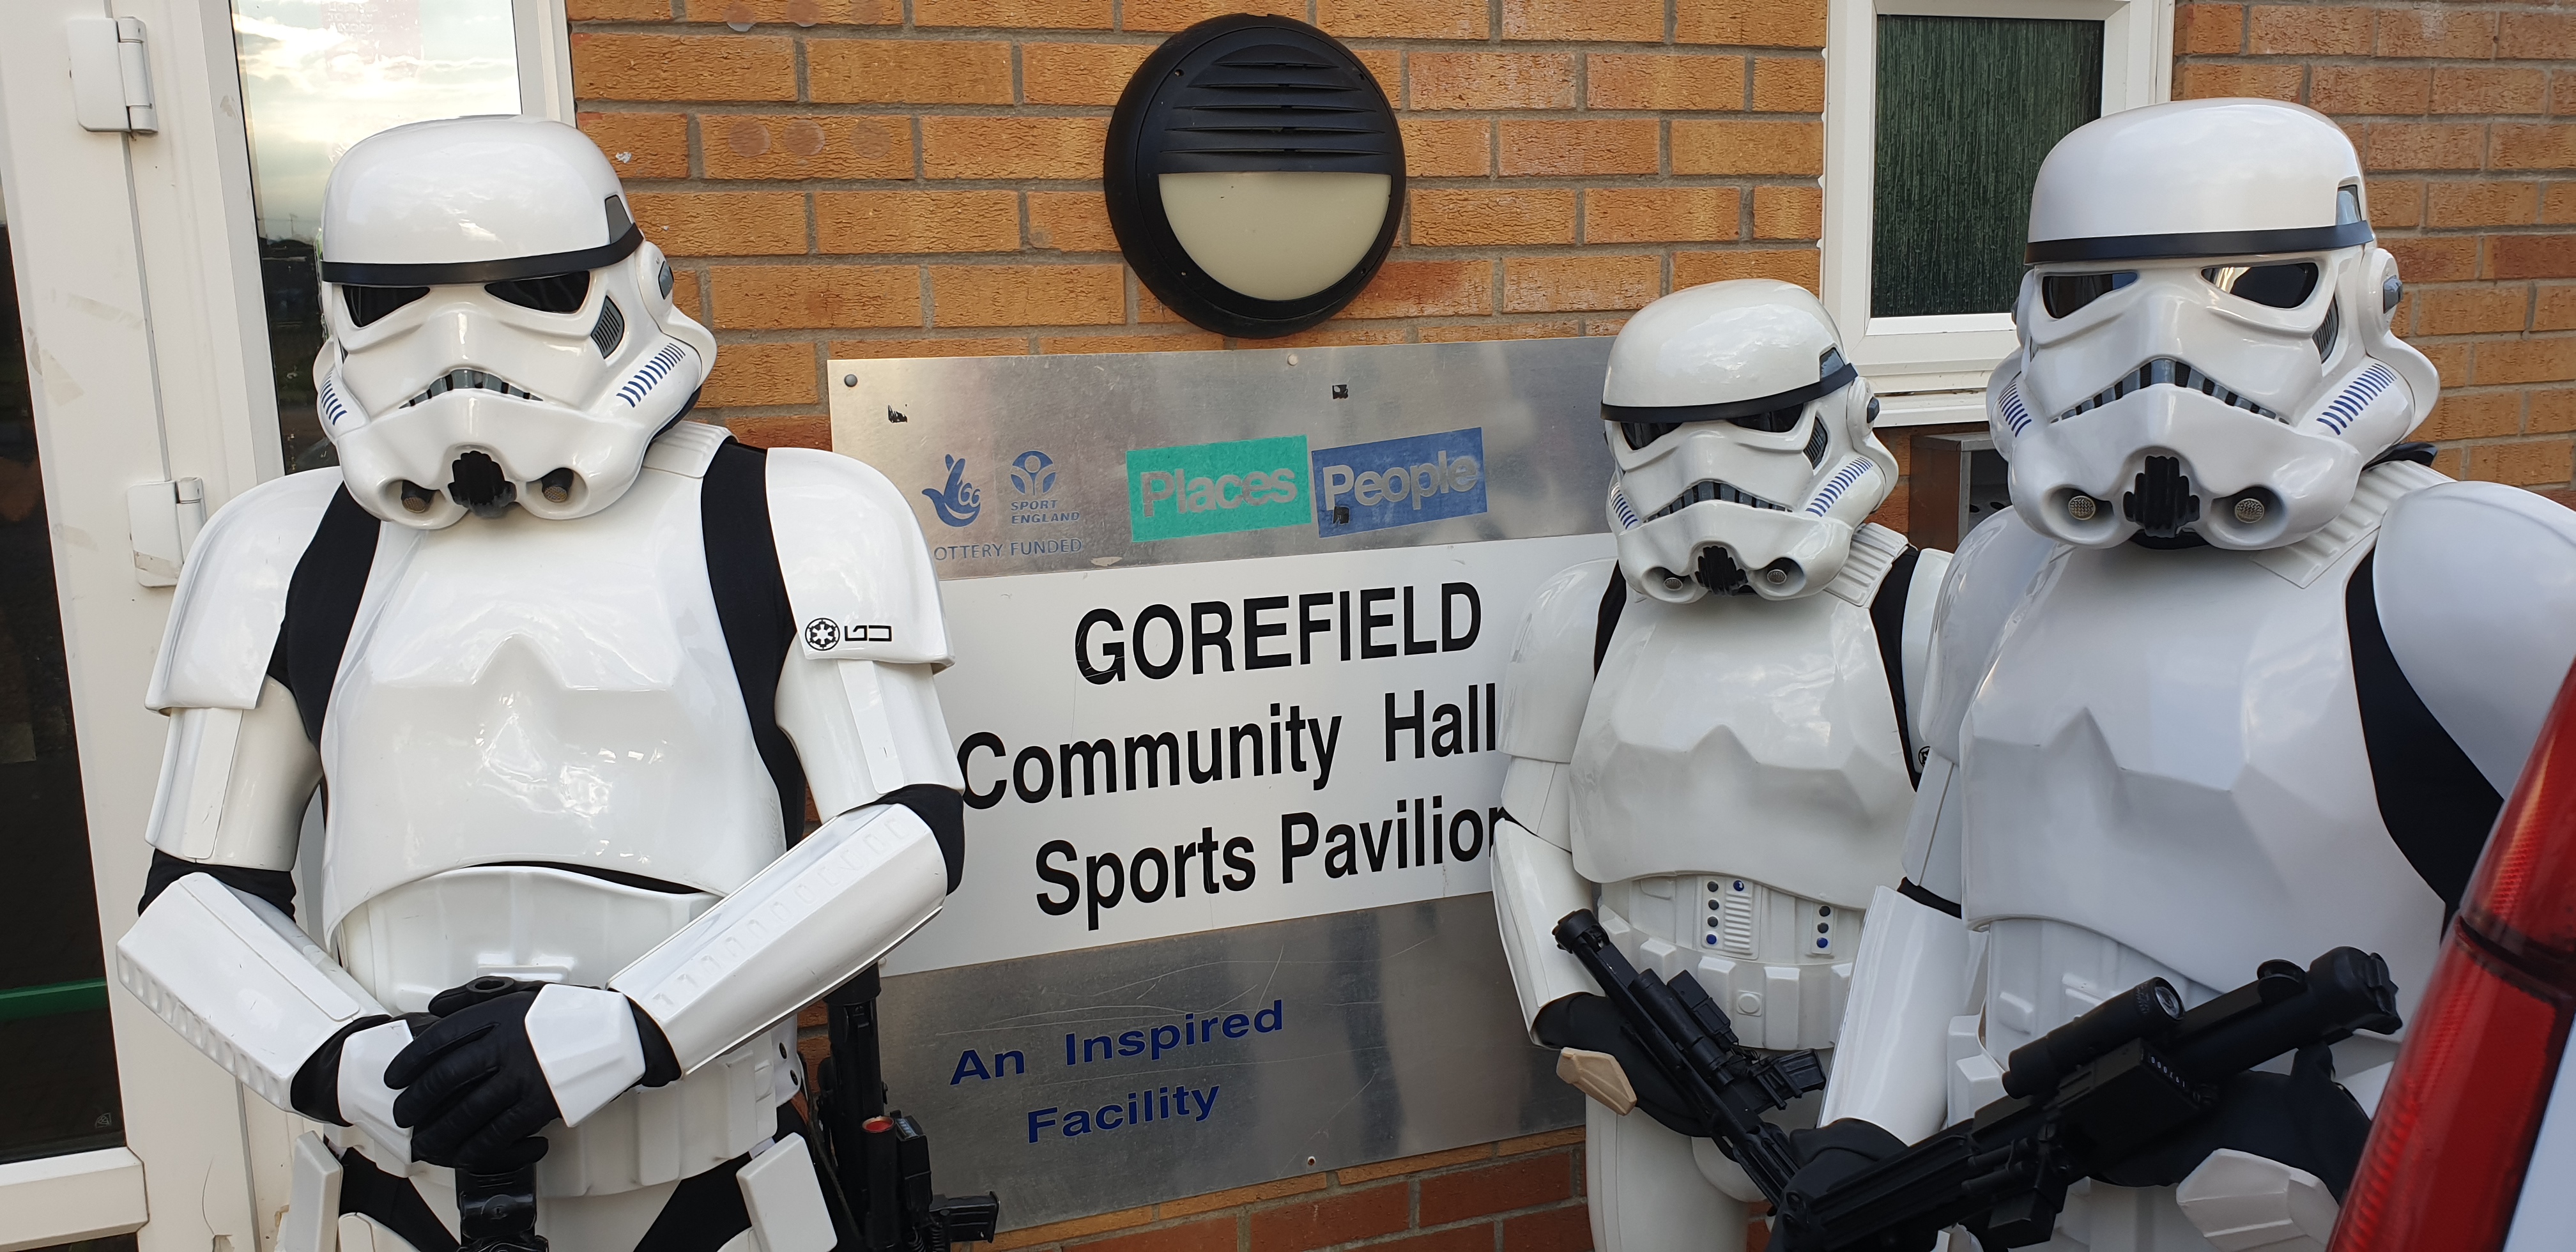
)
(59, 1199)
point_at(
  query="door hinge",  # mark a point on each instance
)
(165, 518)
(111, 74)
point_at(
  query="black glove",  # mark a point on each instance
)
(1829, 1154)
(315, 1091)
(1591, 1023)
(472, 1091)
(2302, 1119)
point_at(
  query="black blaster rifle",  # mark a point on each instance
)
(1726, 1087)
(881, 1160)
(2085, 1097)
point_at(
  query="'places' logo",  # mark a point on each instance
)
(1214, 488)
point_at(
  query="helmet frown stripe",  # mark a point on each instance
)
(1834, 487)
(2356, 396)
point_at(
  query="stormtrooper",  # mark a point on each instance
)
(2238, 678)
(564, 667)
(1710, 734)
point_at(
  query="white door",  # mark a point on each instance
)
(164, 300)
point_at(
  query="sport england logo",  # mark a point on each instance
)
(1399, 482)
(1033, 478)
(1215, 488)
(958, 503)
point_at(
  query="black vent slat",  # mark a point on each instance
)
(1276, 107)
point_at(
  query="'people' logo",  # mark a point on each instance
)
(958, 503)
(1398, 482)
(1033, 473)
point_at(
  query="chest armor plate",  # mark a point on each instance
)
(524, 690)
(1751, 737)
(2167, 751)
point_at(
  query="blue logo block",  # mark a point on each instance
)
(1398, 482)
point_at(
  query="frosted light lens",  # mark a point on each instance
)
(1276, 234)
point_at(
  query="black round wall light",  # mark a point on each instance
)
(1254, 175)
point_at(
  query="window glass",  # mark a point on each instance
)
(1967, 109)
(318, 76)
(57, 1059)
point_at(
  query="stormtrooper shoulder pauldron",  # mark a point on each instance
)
(858, 575)
(232, 594)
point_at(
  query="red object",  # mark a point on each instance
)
(877, 1125)
(2456, 1124)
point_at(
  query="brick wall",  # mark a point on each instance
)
(2465, 116)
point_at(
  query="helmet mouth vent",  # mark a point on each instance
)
(1708, 489)
(2165, 371)
(478, 483)
(468, 380)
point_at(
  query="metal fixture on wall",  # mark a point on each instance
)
(1254, 175)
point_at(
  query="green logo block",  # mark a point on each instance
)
(1214, 488)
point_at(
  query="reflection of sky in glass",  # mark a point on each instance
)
(320, 75)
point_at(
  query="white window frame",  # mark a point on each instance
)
(1932, 370)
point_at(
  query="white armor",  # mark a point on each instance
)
(1731, 784)
(540, 762)
(2150, 762)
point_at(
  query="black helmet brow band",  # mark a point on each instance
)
(1729, 410)
(445, 273)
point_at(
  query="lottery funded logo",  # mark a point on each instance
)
(957, 502)
(1216, 488)
(1399, 482)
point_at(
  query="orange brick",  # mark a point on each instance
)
(1161, 15)
(761, 373)
(2395, 202)
(2433, 31)
(1623, 21)
(1663, 81)
(1517, 1184)
(1788, 85)
(1216, 1234)
(839, 146)
(2555, 309)
(1070, 221)
(1417, 19)
(2209, 28)
(1557, 284)
(883, 349)
(1468, 332)
(1447, 147)
(1730, 147)
(1333, 1219)
(2302, 30)
(2480, 89)
(685, 293)
(2527, 461)
(2471, 310)
(1462, 217)
(2209, 80)
(1425, 289)
(796, 12)
(1233, 1196)
(2548, 360)
(722, 223)
(2531, 256)
(683, 67)
(1385, 65)
(1396, 1166)
(2552, 411)
(2421, 260)
(617, 10)
(1545, 1139)
(1041, 14)
(2476, 415)
(1333, 334)
(1013, 147)
(2537, 37)
(1622, 146)
(641, 145)
(2348, 89)
(1661, 214)
(795, 297)
(2451, 362)
(2559, 204)
(813, 430)
(1056, 1232)
(1789, 265)
(2535, 146)
(1477, 1238)
(2424, 146)
(917, 221)
(1078, 73)
(2484, 204)
(1603, 326)
(1027, 295)
(908, 71)
(1788, 212)
(1492, 80)
(1759, 23)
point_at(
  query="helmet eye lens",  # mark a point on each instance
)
(552, 293)
(1777, 421)
(2284, 286)
(368, 305)
(1639, 434)
(2062, 294)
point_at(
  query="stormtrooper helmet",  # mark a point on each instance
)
(1743, 444)
(500, 333)
(2205, 345)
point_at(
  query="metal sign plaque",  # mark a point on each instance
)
(1230, 630)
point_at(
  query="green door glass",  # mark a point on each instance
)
(1967, 109)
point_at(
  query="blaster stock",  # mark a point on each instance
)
(880, 1160)
(1727, 1087)
(2085, 1097)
